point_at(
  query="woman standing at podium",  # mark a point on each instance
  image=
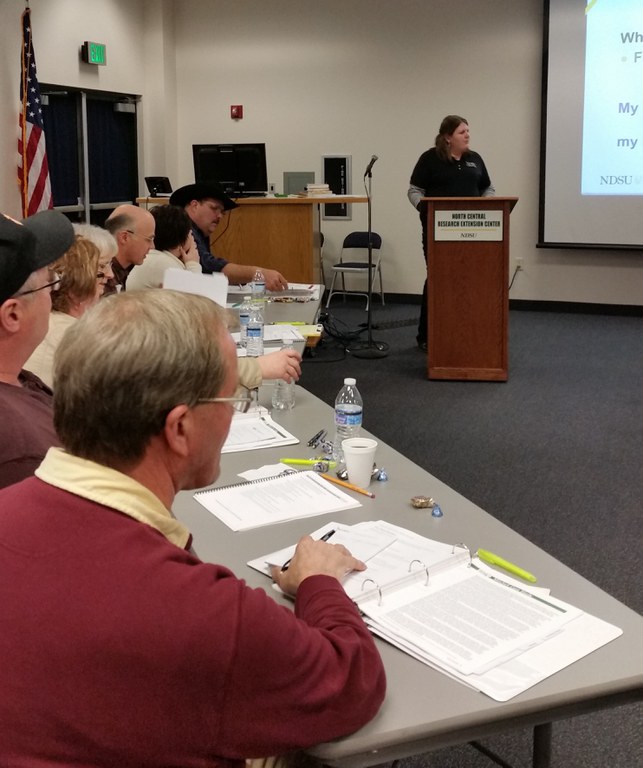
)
(449, 169)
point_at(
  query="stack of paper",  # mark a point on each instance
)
(274, 500)
(322, 190)
(452, 612)
(299, 292)
(255, 429)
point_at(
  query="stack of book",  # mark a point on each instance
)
(318, 190)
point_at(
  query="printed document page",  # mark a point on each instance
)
(580, 637)
(249, 431)
(406, 560)
(363, 540)
(274, 500)
(465, 620)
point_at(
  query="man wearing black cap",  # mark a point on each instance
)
(26, 251)
(205, 204)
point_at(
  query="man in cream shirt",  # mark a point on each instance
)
(133, 651)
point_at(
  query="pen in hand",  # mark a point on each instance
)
(325, 537)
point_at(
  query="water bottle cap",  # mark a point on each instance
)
(350, 382)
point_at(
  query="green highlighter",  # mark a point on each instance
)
(489, 557)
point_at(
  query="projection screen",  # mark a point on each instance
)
(591, 191)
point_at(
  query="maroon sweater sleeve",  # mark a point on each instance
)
(306, 677)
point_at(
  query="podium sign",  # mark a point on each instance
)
(468, 225)
(468, 296)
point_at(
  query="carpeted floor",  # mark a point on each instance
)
(556, 453)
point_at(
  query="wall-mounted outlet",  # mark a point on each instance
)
(519, 265)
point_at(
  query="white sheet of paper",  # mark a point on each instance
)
(255, 429)
(213, 286)
(274, 500)
(466, 621)
(363, 541)
(268, 470)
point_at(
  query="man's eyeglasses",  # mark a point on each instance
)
(144, 237)
(54, 285)
(241, 403)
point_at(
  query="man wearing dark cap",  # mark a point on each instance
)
(26, 251)
(205, 204)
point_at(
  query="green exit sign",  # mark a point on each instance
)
(94, 53)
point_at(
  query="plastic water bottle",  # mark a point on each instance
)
(258, 286)
(254, 337)
(244, 317)
(348, 415)
(283, 393)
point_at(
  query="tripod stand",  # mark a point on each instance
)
(369, 349)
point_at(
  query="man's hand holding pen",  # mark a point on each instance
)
(313, 558)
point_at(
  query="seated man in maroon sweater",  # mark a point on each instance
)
(27, 250)
(121, 647)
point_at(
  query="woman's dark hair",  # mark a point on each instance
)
(172, 226)
(447, 127)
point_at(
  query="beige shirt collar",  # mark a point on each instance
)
(111, 488)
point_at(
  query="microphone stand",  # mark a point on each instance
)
(369, 349)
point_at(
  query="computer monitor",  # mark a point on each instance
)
(158, 185)
(239, 168)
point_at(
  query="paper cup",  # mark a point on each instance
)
(359, 455)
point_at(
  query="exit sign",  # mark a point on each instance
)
(93, 53)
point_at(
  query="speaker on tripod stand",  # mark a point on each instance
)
(369, 349)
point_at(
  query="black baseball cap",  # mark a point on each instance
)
(30, 245)
(201, 191)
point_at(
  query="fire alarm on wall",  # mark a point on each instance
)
(236, 111)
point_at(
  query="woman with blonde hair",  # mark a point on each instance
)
(82, 281)
(107, 246)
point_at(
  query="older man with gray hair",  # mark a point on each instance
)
(132, 651)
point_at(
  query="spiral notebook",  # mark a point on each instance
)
(274, 500)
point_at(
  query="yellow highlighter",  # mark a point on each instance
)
(310, 462)
(500, 562)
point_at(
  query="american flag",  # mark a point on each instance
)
(33, 169)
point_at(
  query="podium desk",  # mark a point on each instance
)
(468, 287)
(282, 233)
(424, 709)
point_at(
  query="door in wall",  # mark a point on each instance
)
(92, 150)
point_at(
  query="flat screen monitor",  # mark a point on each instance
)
(239, 168)
(158, 185)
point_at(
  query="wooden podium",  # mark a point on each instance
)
(468, 288)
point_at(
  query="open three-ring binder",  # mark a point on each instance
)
(448, 609)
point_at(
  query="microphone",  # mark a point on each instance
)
(370, 165)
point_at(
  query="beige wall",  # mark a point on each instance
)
(359, 77)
